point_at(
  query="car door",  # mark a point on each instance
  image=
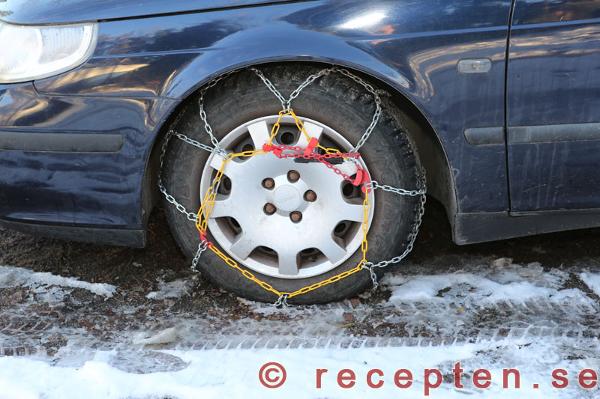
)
(553, 105)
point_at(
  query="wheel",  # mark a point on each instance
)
(291, 223)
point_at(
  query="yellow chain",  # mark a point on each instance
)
(208, 203)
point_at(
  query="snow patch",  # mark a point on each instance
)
(234, 373)
(166, 336)
(172, 289)
(266, 309)
(40, 282)
(212, 374)
(502, 280)
(592, 280)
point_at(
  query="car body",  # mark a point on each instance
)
(507, 92)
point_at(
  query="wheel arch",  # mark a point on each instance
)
(421, 131)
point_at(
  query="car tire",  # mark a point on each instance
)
(336, 101)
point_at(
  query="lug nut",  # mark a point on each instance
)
(269, 208)
(310, 196)
(296, 216)
(293, 176)
(268, 183)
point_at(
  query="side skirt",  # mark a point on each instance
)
(470, 228)
(96, 235)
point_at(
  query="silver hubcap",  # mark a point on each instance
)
(283, 218)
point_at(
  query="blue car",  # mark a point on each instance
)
(291, 143)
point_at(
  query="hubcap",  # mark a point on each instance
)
(280, 217)
(287, 197)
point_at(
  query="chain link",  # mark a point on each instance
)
(400, 191)
(412, 237)
(284, 102)
(202, 246)
(281, 302)
(307, 82)
(378, 109)
(194, 143)
(191, 216)
(202, 112)
(200, 218)
(287, 103)
(371, 271)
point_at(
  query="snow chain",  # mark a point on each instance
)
(314, 151)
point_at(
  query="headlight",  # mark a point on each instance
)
(34, 52)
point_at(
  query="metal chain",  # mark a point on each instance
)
(202, 246)
(412, 237)
(286, 105)
(307, 82)
(281, 302)
(400, 191)
(373, 275)
(272, 88)
(191, 216)
(194, 143)
(378, 109)
(207, 128)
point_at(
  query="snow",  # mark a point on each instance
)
(166, 336)
(172, 289)
(592, 280)
(234, 373)
(445, 318)
(40, 282)
(501, 280)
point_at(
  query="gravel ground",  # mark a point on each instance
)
(160, 303)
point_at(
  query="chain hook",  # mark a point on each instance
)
(281, 302)
(369, 266)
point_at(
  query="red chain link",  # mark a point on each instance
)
(287, 151)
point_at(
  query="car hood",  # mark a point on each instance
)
(32, 12)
